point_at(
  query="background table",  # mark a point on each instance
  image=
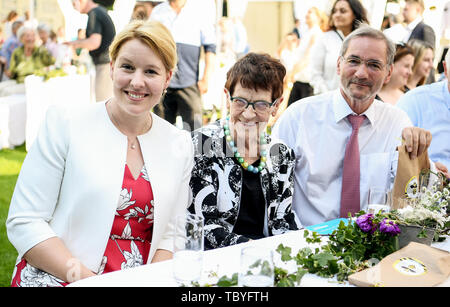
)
(12, 120)
(223, 261)
(68, 90)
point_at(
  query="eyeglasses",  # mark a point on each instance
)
(373, 65)
(260, 106)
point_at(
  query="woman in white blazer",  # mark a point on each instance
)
(346, 15)
(70, 191)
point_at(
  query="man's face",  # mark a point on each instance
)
(363, 70)
(79, 5)
(411, 11)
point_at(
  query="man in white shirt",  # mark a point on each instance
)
(318, 128)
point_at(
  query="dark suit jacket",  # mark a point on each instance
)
(425, 33)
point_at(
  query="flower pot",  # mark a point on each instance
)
(409, 234)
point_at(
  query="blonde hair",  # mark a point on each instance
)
(153, 34)
(323, 18)
(419, 48)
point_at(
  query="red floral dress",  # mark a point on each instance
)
(129, 242)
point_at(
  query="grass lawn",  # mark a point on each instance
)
(10, 164)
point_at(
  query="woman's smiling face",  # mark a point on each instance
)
(139, 77)
(249, 122)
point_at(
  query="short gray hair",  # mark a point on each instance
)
(365, 30)
(43, 27)
(23, 29)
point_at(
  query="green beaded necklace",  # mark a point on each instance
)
(244, 164)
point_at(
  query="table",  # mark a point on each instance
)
(223, 261)
(12, 120)
(73, 89)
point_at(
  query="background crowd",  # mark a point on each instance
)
(319, 77)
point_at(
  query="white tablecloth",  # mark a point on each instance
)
(68, 90)
(12, 120)
(223, 261)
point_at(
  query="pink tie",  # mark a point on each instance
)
(350, 174)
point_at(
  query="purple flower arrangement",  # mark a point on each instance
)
(368, 223)
(390, 227)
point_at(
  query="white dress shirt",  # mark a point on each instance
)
(410, 27)
(318, 131)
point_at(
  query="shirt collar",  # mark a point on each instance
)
(342, 109)
(414, 23)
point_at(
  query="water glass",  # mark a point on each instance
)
(379, 200)
(257, 268)
(188, 248)
(429, 180)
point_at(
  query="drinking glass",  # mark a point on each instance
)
(188, 248)
(379, 200)
(257, 269)
(430, 180)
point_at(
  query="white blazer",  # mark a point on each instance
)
(71, 179)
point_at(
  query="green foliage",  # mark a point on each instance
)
(228, 282)
(47, 74)
(10, 164)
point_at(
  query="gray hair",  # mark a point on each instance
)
(43, 27)
(23, 29)
(365, 30)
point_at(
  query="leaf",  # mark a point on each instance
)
(323, 258)
(305, 233)
(285, 282)
(285, 252)
(225, 281)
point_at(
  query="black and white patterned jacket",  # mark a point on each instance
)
(216, 185)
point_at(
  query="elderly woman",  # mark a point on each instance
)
(100, 185)
(25, 60)
(44, 32)
(242, 182)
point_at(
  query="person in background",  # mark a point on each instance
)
(25, 60)
(396, 32)
(402, 70)
(242, 181)
(9, 20)
(346, 15)
(44, 34)
(287, 52)
(296, 29)
(10, 45)
(29, 21)
(139, 12)
(191, 34)
(100, 33)
(428, 107)
(300, 74)
(345, 141)
(423, 63)
(416, 28)
(100, 185)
